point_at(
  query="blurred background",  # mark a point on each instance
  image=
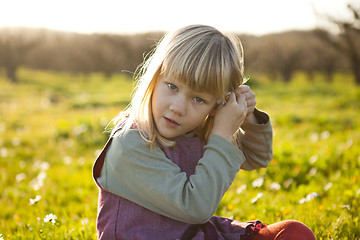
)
(280, 37)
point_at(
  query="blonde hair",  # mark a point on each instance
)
(198, 55)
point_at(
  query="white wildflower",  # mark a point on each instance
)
(78, 130)
(288, 182)
(241, 188)
(275, 186)
(85, 221)
(67, 160)
(35, 200)
(15, 141)
(301, 201)
(258, 182)
(50, 218)
(2, 127)
(348, 144)
(36, 165)
(325, 135)
(308, 197)
(314, 137)
(22, 164)
(259, 195)
(38, 181)
(19, 177)
(36, 184)
(41, 176)
(4, 152)
(313, 159)
(346, 206)
(81, 160)
(42, 166)
(312, 196)
(328, 186)
(312, 171)
(1, 237)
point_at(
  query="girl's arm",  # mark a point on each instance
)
(148, 178)
(255, 136)
(255, 141)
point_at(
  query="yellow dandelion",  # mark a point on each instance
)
(353, 179)
(17, 218)
(230, 206)
(286, 211)
(252, 217)
(274, 161)
(297, 170)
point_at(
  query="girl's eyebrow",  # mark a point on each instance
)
(170, 80)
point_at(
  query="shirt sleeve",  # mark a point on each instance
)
(147, 177)
(255, 141)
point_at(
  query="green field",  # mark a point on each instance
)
(52, 127)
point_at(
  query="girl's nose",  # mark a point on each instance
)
(178, 106)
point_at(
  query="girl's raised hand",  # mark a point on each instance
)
(229, 117)
(249, 97)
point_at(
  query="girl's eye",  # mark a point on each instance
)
(172, 86)
(198, 100)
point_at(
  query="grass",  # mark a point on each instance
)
(51, 129)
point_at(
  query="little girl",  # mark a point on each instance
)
(175, 151)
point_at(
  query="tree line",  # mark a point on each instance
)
(279, 55)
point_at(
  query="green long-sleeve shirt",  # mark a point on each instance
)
(149, 178)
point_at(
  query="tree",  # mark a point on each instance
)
(347, 42)
(319, 57)
(14, 47)
(281, 54)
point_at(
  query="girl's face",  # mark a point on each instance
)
(178, 109)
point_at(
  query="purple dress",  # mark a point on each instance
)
(119, 218)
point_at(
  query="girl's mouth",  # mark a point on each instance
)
(170, 122)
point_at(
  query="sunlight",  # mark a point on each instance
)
(253, 17)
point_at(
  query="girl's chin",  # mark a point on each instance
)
(169, 135)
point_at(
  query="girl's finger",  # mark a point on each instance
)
(240, 98)
(249, 93)
(251, 101)
(243, 89)
(232, 97)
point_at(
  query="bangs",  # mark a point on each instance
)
(205, 61)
